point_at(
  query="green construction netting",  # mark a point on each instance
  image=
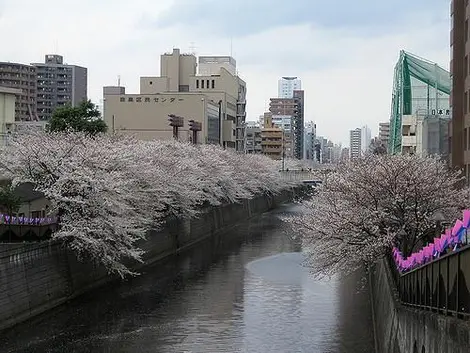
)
(411, 68)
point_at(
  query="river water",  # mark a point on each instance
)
(247, 292)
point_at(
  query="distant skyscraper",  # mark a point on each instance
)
(366, 138)
(355, 143)
(59, 84)
(287, 86)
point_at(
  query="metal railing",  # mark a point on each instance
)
(441, 286)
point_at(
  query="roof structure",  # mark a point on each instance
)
(409, 67)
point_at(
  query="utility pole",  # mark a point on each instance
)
(176, 122)
(195, 126)
(283, 150)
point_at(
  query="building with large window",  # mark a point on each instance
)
(421, 90)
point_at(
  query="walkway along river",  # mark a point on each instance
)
(245, 292)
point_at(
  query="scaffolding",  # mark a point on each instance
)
(418, 84)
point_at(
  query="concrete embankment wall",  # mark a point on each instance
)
(402, 329)
(35, 277)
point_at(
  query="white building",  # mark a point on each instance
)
(366, 138)
(287, 86)
(210, 65)
(309, 140)
(425, 135)
(355, 143)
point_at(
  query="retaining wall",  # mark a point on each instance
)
(402, 329)
(35, 277)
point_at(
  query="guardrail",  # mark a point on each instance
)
(442, 285)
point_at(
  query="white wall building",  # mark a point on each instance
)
(366, 138)
(355, 143)
(287, 86)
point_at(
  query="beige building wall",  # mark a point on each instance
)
(7, 107)
(146, 116)
(7, 111)
(178, 76)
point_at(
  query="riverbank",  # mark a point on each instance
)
(37, 277)
(243, 290)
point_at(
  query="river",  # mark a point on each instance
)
(244, 292)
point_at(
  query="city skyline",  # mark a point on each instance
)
(121, 33)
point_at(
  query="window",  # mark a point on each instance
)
(213, 84)
(150, 83)
(465, 62)
(466, 30)
(202, 83)
(123, 99)
(207, 84)
(131, 99)
(197, 83)
(465, 103)
(147, 99)
(465, 139)
(138, 99)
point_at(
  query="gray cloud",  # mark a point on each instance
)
(245, 17)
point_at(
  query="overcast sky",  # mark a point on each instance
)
(344, 51)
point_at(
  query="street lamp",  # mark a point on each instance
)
(439, 220)
(176, 122)
(195, 126)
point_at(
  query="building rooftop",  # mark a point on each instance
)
(8, 90)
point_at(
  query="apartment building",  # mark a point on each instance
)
(59, 84)
(214, 96)
(287, 86)
(355, 143)
(272, 138)
(253, 139)
(384, 133)
(23, 78)
(294, 108)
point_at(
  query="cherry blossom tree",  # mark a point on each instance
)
(108, 191)
(370, 204)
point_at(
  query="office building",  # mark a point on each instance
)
(294, 108)
(287, 86)
(366, 138)
(214, 97)
(22, 77)
(355, 143)
(459, 127)
(421, 89)
(384, 133)
(59, 84)
(309, 140)
(253, 139)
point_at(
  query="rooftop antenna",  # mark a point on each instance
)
(192, 48)
(231, 46)
(119, 80)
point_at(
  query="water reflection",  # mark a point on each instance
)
(246, 292)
